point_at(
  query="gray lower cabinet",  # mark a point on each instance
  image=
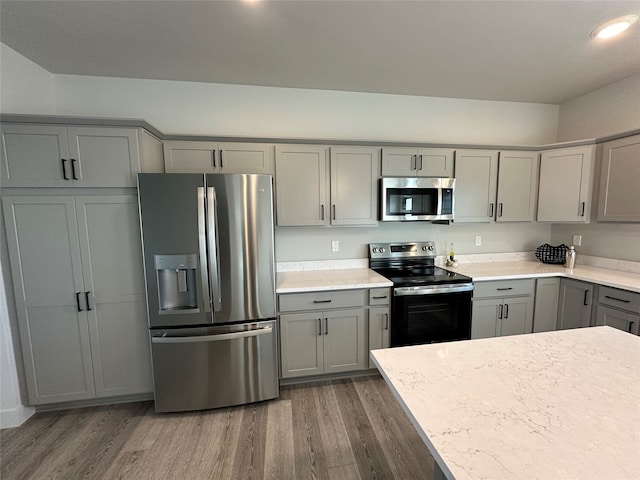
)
(545, 313)
(502, 308)
(379, 320)
(575, 304)
(79, 291)
(619, 309)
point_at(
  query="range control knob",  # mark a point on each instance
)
(381, 249)
(431, 247)
(374, 249)
(424, 248)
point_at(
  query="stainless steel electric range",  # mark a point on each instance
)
(430, 304)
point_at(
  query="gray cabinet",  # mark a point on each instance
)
(69, 156)
(379, 320)
(476, 183)
(213, 157)
(566, 177)
(502, 308)
(619, 309)
(417, 162)
(545, 313)
(329, 337)
(574, 304)
(79, 291)
(318, 185)
(517, 186)
(620, 181)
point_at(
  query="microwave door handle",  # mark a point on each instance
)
(202, 246)
(212, 237)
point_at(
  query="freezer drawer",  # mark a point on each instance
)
(211, 367)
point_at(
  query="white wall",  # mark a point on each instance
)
(611, 109)
(236, 110)
(25, 87)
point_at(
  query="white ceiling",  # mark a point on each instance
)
(527, 51)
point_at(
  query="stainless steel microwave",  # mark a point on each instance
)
(407, 199)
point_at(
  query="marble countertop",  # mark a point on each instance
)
(552, 405)
(526, 269)
(335, 279)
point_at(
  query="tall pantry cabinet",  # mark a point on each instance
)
(76, 270)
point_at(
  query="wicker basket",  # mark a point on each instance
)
(549, 254)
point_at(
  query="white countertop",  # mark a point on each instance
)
(525, 269)
(553, 405)
(335, 279)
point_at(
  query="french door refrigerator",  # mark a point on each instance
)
(208, 244)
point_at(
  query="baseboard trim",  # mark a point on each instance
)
(95, 402)
(327, 378)
(16, 416)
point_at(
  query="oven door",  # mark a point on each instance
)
(431, 314)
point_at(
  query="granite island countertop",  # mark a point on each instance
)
(563, 404)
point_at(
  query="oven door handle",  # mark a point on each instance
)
(432, 289)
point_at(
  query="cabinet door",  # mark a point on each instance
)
(35, 156)
(44, 251)
(190, 157)
(476, 179)
(344, 341)
(399, 162)
(517, 186)
(564, 194)
(379, 336)
(246, 158)
(435, 162)
(484, 317)
(301, 185)
(517, 316)
(546, 304)
(574, 307)
(114, 284)
(354, 178)
(301, 344)
(104, 157)
(620, 181)
(626, 321)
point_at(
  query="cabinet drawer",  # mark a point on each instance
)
(621, 299)
(291, 302)
(379, 296)
(503, 288)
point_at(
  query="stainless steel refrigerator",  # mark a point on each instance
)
(208, 245)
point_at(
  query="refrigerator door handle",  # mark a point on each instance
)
(202, 246)
(212, 236)
(213, 338)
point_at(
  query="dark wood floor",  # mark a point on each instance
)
(342, 429)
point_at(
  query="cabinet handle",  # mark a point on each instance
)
(582, 210)
(86, 297)
(214, 159)
(319, 327)
(506, 310)
(500, 209)
(78, 301)
(379, 298)
(221, 161)
(326, 326)
(413, 162)
(586, 292)
(334, 211)
(322, 301)
(630, 327)
(491, 209)
(64, 169)
(321, 212)
(386, 318)
(501, 309)
(420, 163)
(617, 299)
(504, 288)
(73, 169)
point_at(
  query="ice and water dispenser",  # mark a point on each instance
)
(176, 276)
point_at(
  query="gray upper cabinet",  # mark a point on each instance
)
(318, 185)
(476, 183)
(417, 162)
(79, 292)
(517, 186)
(620, 181)
(58, 156)
(564, 193)
(212, 157)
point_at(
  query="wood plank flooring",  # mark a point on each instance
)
(340, 429)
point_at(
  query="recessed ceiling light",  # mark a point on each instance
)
(614, 27)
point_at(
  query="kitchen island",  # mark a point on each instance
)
(553, 405)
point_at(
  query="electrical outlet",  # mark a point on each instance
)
(577, 240)
(478, 240)
(335, 246)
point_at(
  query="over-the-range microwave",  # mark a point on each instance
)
(406, 199)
